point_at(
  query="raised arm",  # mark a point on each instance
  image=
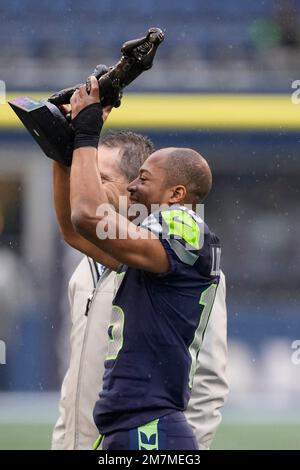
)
(94, 218)
(61, 195)
(131, 245)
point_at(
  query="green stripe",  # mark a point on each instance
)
(145, 433)
(98, 442)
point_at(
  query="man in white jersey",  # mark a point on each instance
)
(90, 296)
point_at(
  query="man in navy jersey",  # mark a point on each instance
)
(168, 272)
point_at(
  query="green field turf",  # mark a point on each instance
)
(230, 436)
(280, 436)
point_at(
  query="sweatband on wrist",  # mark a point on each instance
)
(87, 126)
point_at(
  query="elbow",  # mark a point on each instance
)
(70, 238)
(66, 234)
(81, 221)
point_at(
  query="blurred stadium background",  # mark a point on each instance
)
(222, 83)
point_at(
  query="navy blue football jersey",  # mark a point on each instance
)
(158, 323)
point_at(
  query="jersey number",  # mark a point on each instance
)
(206, 300)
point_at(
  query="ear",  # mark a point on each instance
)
(178, 194)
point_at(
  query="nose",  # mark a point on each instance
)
(131, 188)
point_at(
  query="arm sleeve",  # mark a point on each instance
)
(59, 435)
(59, 432)
(210, 387)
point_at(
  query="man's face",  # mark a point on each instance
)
(114, 181)
(150, 186)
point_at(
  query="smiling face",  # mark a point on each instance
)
(150, 186)
(113, 179)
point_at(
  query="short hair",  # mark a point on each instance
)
(187, 167)
(136, 148)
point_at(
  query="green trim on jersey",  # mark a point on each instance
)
(98, 442)
(183, 225)
(145, 435)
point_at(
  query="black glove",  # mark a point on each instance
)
(87, 126)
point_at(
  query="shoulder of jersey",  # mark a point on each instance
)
(181, 227)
